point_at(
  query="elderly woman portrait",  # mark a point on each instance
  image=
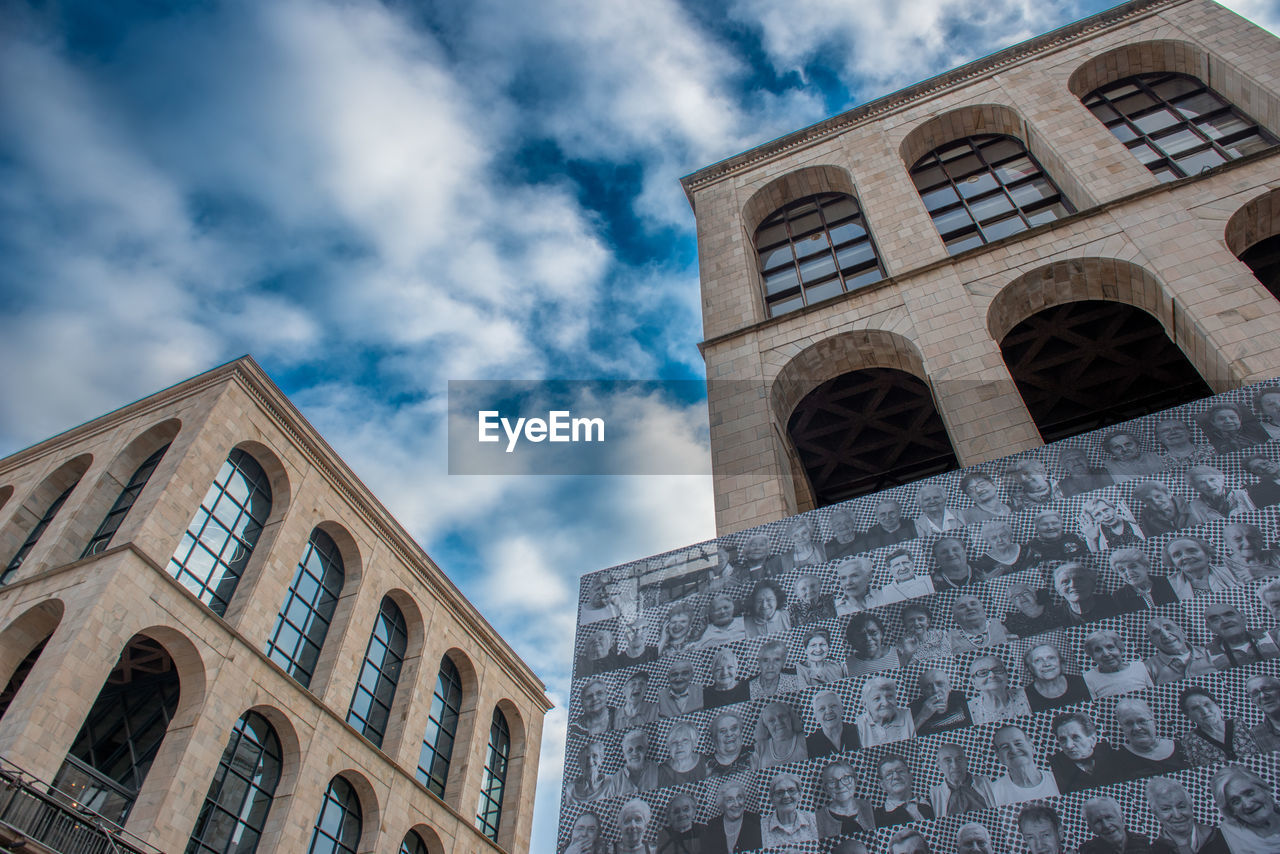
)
(1051, 686)
(1077, 475)
(1034, 612)
(883, 720)
(591, 779)
(1024, 780)
(805, 549)
(1231, 427)
(1029, 485)
(1247, 555)
(1190, 560)
(771, 680)
(982, 490)
(973, 628)
(779, 736)
(900, 801)
(808, 603)
(638, 773)
(1266, 491)
(722, 625)
(1141, 590)
(635, 709)
(597, 656)
(1180, 833)
(735, 828)
(853, 580)
(766, 610)
(584, 836)
(1002, 555)
(1078, 586)
(1213, 738)
(869, 645)
(609, 596)
(633, 824)
(681, 835)
(1052, 543)
(786, 823)
(1173, 437)
(844, 814)
(1040, 827)
(727, 754)
(1163, 512)
(1084, 759)
(1269, 596)
(1175, 658)
(935, 516)
(994, 698)
(726, 687)
(818, 668)
(677, 630)
(1214, 498)
(844, 534)
(1146, 753)
(1111, 834)
(833, 734)
(1126, 460)
(1112, 672)
(1266, 404)
(684, 764)
(953, 568)
(1107, 524)
(1250, 818)
(1263, 691)
(920, 641)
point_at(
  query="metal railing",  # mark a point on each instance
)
(31, 808)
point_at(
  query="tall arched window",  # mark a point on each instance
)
(339, 823)
(1175, 124)
(15, 563)
(413, 844)
(814, 248)
(380, 673)
(308, 608)
(494, 783)
(219, 541)
(235, 809)
(20, 674)
(982, 188)
(442, 728)
(102, 537)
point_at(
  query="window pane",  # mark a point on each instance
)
(846, 232)
(776, 257)
(1173, 87)
(1016, 170)
(839, 208)
(855, 256)
(1246, 146)
(817, 268)
(823, 291)
(931, 177)
(1048, 214)
(1026, 195)
(1193, 164)
(962, 167)
(952, 220)
(1178, 141)
(1003, 228)
(940, 197)
(1123, 132)
(1224, 124)
(976, 185)
(1134, 103)
(1156, 121)
(990, 207)
(967, 241)
(780, 281)
(783, 306)
(1199, 105)
(812, 244)
(802, 225)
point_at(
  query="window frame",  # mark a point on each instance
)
(124, 502)
(348, 805)
(447, 697)
(494, 782)
(250, 728)
(391, 634)
(318, 611)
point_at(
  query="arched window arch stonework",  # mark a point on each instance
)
(1253, 236)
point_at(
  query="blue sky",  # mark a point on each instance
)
(374, 198)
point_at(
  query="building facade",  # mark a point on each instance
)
(213, 635)
(975, 225)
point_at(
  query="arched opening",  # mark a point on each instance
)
(21, 644)
(37, 513)
(496, 769)
(384, 657)
(236, 807)
(121, 735)
(1084, 365)
(307, 612)
(427, 837)
(340, 822)
(441, 733)
(1253, 235)
(123, 482)
(868, 430)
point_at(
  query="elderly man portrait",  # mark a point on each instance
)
(683, 764)
(1175, 658)
(1126, 460)
(1145, 752)
(1052, 543)
(853, 580)
(908, 840)
(772, 679)
(844, 534)
(1001, 554)
(1266, 491)
(1030, 485)
(1191, 559)
(920, 641)
(1213, 738)
(993, 698)
(952, 561)
(786, 823)
(1051, 686)
(726, 686)
(935, 516)
(598, 655)
(890, 528)
(1266, 406)
(1250, 817)
(1040, 827)
(974, 838)
(728, 753)
(844, 814)
(982, 490)
(1269, 595)
(1034, 612)
(870, 649)
(1232, 643)
(1164, 512)
(1111, 835)
(884, 720)
(1084, 760)
(1263, 691)
(938, 706)
(734, 829)
(596, 716)
(638, 773)
(1078, 477)
(681, 695)
(1180, 833)
(973, 628)
(635, 709)
(1113, 673)
(960, 791)
(681, 835)
(1082, 595)
(1214, 497)
(1023, 780)
(900, 802)
(723, 625)
(633, 825)
(1246, 553)
(903, 584)
(1141, 589)
(834, 734)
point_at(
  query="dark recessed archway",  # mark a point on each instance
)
(1084, 365)
(1263, 259)
(868, 430)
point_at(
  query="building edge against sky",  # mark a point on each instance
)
(279, 619)
(935, 299)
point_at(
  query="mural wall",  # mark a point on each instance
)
(1074, 648)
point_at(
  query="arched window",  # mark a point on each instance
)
(442, 728)
(122, 733)
(982, 188)
(219, 541)
(413, 844)
(1174, 124)
(376, 687)
(494, 782)
(815, 248)
(20, 674)
(15, 563)
(308, 608)
(235, 809)
(338, 825)
(1263, 259)
(102, 537)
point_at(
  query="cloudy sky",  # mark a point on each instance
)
(374, 198)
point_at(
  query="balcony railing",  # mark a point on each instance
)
(33, 810)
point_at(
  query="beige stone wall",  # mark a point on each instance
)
(1163, 248)
(89, 610)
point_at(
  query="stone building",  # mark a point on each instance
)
(1068, 233)
(212, 634)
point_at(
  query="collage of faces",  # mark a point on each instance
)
(1077, 648)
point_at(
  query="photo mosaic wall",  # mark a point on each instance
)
(1075, 648)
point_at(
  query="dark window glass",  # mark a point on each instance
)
(442, 728)
(991, 180)
(20, 674)
(219, 541)
(376, 687)
(102, 537)
(1175, 124)
(413, 844)
(308, 608)
(235, 809)
(34, 537)
(494, 782)
(339, 822)
(815, 248)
